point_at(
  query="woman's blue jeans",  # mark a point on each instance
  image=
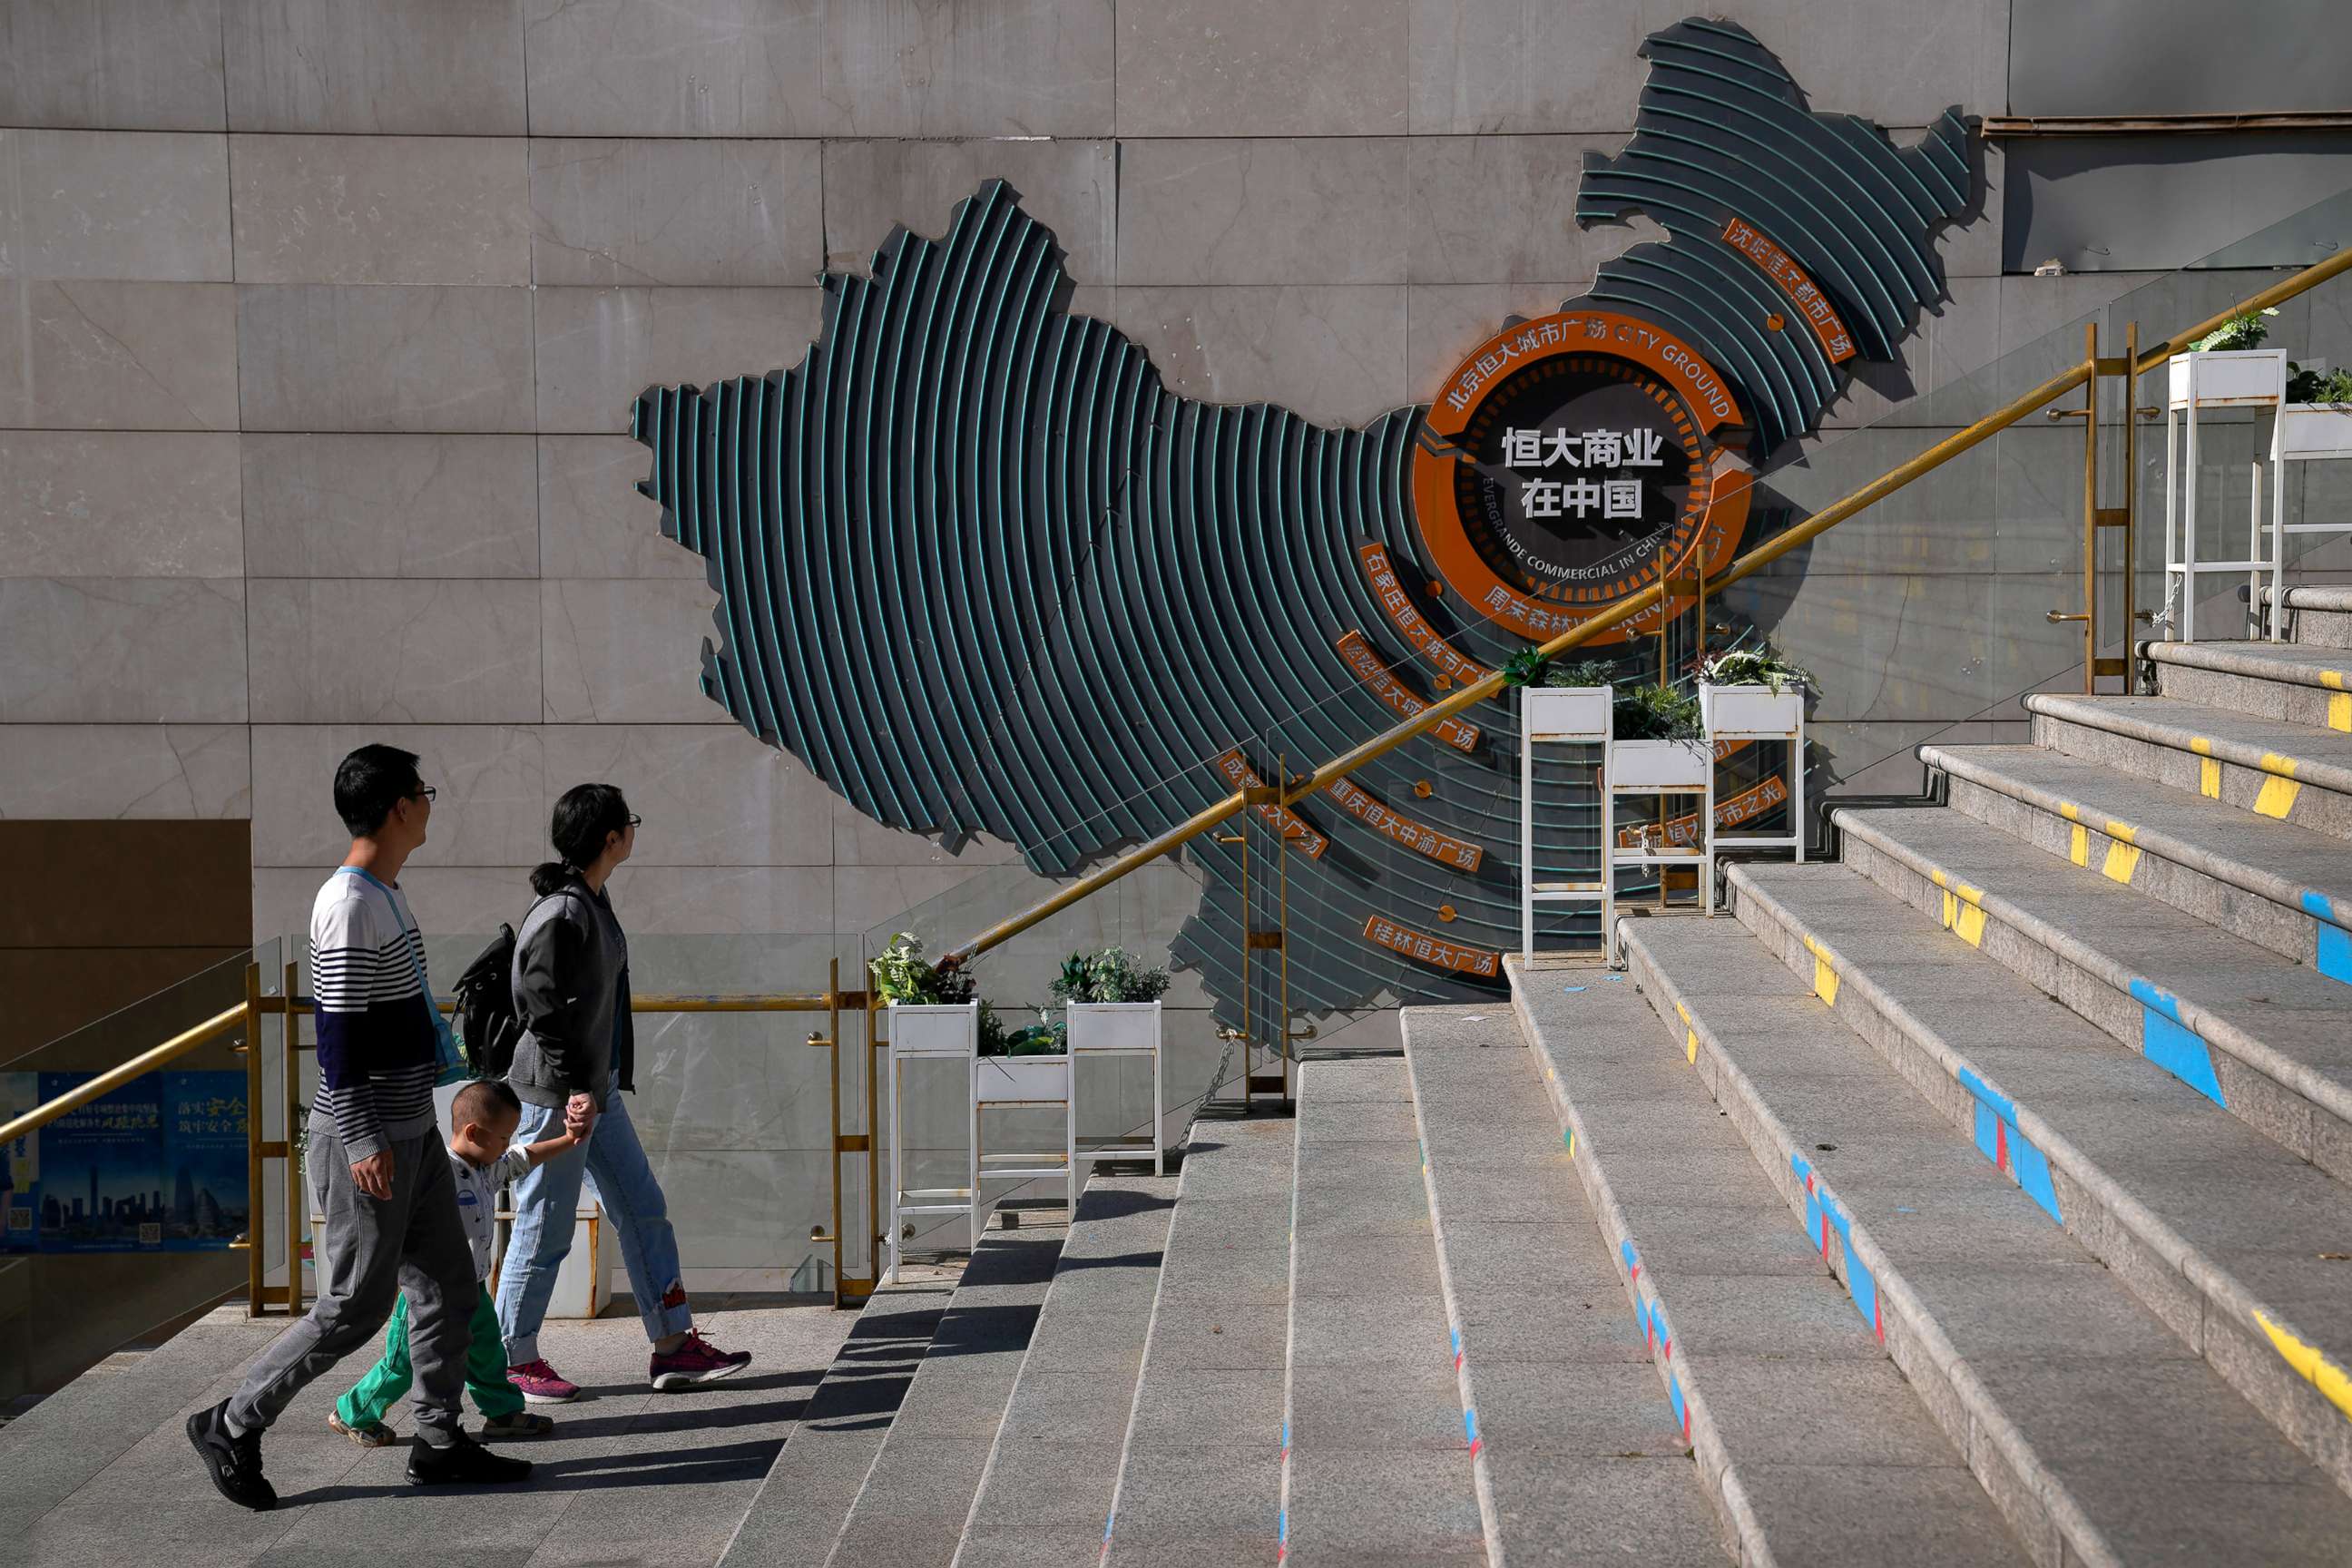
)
(613, 1163)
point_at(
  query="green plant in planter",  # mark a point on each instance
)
(1647, 712)
(1114, 974)
(1758, 666)
(1529, 668)
(901, 974)
(1584, 672)
(2321, 386)
(1525, 667)
(1043, 1038)
(2244, 332)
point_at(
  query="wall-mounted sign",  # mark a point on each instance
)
(1423, 948)
(1409, 622)
(1810, 302)
(1572, 460)
(1682, 832)
(1365, 660)
(984, 568)
(1360, 804)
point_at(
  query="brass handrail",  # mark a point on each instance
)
(1764, 555)
(288, 1006)
(115, 1076)
(233, 1018)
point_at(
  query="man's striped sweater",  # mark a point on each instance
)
(376, 1029)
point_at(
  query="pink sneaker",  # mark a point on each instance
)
(696, 1361)
(540, 1384)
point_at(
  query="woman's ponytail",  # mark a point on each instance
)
(549, 876)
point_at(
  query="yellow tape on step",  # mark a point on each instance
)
(2322, 1373)
(2279, 789)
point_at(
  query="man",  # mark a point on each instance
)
(376, 1163)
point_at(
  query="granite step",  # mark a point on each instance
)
(809, 1491)
(2289, 772)
(2294, 683)
(1811, 1446)
(1376, 1466)
(51, 1451)
(911, 1507)
(1076, 1384)
(2225, 1235)
(2266, 1037)
(2099, 1434)
(1200, 1469)
(1577, 1449)
(2319, 614)
(2278, 886)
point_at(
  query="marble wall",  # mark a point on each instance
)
(320, 325)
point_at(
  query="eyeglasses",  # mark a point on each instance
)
(423, 792)
(634, 820)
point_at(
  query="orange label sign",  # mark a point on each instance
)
(1358, 803)
(1411, 623)
(1293, 826)
(1366, 662)
(1426, 949)
(1743, 237)
(1538, 518)
(1682, 832)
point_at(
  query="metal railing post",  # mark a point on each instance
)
(296, 1214)
(2131, 502)
(256, 1227)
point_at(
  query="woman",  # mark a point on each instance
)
(572, 995)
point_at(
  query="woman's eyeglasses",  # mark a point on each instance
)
(634, 820)
(423, 792)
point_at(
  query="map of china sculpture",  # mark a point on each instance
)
(980, 571)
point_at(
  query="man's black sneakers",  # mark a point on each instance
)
(234, 1462)
(464, 1463)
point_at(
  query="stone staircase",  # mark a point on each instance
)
(2053, 1078)
(1980, 1199)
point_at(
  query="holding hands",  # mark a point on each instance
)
(579, 1115)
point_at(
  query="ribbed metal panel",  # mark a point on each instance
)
(981, 573)
(1722, 131)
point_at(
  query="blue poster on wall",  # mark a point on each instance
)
(158, 1165)
(102, 1169)
(203, 1159)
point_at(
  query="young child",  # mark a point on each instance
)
(482, 1121)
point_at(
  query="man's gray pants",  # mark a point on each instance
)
(373, 1248)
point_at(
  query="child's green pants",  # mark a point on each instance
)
(486, 1369)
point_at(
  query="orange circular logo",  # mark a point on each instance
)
(1571, 460)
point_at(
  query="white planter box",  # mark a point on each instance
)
(931, 1030)
(1022, 1078)
(1564, 712)
(1660, 764)
(1114, 1027)
(1752, 712)
(2316, 431)
(2230, 378)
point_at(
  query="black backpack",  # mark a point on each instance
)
(488, 1029)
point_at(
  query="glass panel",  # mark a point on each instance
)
(1927, 615)
(118, 1218)
(730, 1106)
